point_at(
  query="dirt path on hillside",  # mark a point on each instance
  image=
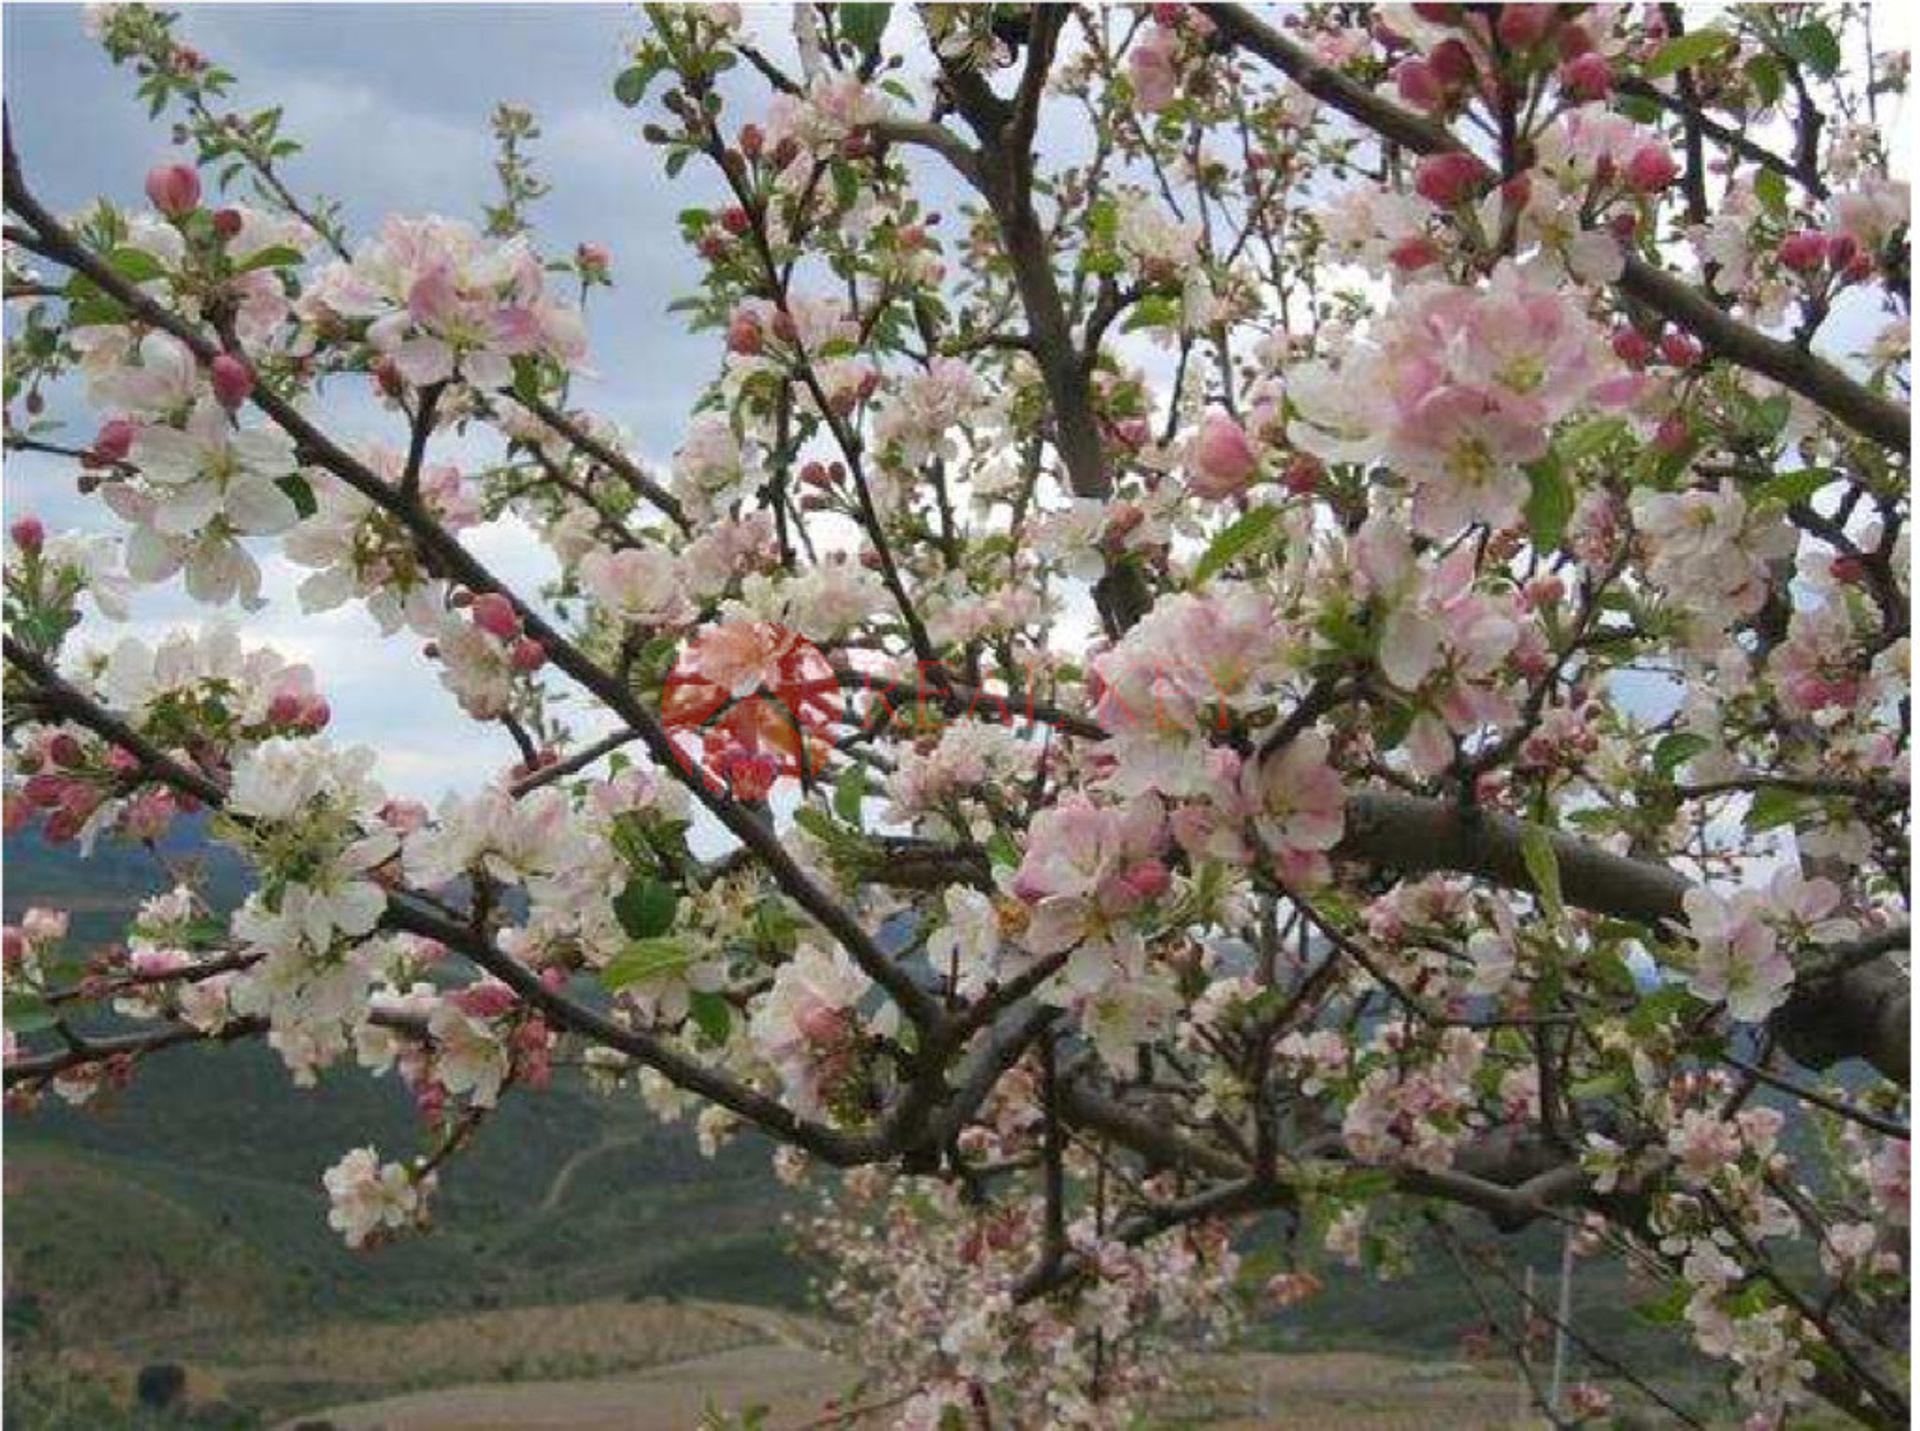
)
(1335, 1391)
(795, 1383)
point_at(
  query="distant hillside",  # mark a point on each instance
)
(188, 1208)
(187, 1211)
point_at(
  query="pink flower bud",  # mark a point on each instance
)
(173, 189)
(1419, 84)
(594, 256)
(1682, 350)
(232, 380)
(752, 140)
(28, 534)
(386, 374)
(1449, 180)
(527, 655)
(1521, 27)
(1411, 255)
(1842, 250)
(1454, 63)
(1672, 433)
(1572, 41)
(227, 222)
(1587, 76)
(1544, 591)
(64, 750)
(316, 713)
(1148, 879)
(1630, 345)
(494, 614)
(821, 1023)
(735, 220)
(1304, 474)
(114, 440)
(743, 335)
(1804, 251)
(1222, 458)
(1651, 169)
(284, 709)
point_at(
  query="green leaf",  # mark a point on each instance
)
(1590, 438)
(1549, 502)
(1770, 188)
(846, 184)
(298, 488)
(1639, 108)
(848, 793)
(1800, 485)
(280, 255)
(1670, 1003)
(27, 1013)
(1676, 750)
(645, 959)
(1239, 537)
(1767, 81)
(1001, 849)
(1771, 808)
(815, 823)
(711, 1014)
(630, 85)
(1677, 54)
(1813, 46)
(135, 265)
(646, 907)
(1668, 1309)
(863, 25)
(1770, 416)
(1543, 867)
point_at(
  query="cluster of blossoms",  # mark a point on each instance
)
(200, 695)
(440, 301)
(307, 815)
(932, 1284)
(356, 551)
(1741, 940)
(370, 1197)
(1711, 552)
(1457, 389)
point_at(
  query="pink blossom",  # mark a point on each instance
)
(1300, 806)
(1156, 83)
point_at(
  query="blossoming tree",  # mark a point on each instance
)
(1336, 621)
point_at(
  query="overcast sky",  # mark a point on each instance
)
(392, 104)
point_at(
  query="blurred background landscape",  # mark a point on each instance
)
(174, 1234)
